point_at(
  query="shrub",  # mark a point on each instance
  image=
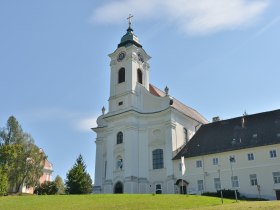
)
(46, 188)
(226, 194)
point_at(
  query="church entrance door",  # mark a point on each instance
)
(118, 188)
(277, 194)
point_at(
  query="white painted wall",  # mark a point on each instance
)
(262, 165)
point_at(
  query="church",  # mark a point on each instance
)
(142, 137)
(143, 129)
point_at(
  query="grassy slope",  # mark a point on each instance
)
(161, 202)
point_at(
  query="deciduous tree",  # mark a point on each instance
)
(59, 184)
(3, 180)
(20, 156)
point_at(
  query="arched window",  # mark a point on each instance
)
(158, 159)
(119, 138)
(121, 76)
(139, 76)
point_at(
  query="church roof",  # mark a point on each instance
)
(233, 134)
(190, 112)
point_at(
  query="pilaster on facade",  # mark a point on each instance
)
(171, 124)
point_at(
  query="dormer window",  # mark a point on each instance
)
(139, 76)
(121, 75)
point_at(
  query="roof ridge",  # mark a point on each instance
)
(180, 106)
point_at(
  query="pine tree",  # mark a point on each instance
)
(78, 180)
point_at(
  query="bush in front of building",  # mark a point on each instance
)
(226, 194)
(46, 188)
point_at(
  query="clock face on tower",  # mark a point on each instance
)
(121, 56)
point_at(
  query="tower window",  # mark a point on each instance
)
(119, 138)
(121, 75)
(139, 76)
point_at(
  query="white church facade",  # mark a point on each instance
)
(143, 129)
(140, 140)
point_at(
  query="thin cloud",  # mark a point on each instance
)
(76, 120)
(86, 124)
(268, 26)
(190, 16)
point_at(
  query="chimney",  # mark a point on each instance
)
(216, 119)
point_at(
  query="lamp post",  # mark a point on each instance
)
(231, 160)
(219, 171)
(259, 190)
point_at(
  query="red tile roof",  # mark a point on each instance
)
(190, 112)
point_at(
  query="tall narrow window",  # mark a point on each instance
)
(157, 159)
(217, 183)
(121, 76)
(119, 138)
(139, 76)
(200, 186)
(234, 181)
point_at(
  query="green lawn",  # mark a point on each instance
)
(161, 202)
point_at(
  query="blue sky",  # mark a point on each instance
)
(220, 57)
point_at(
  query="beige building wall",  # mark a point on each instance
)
(262, 166)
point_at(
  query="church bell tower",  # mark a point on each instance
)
(129, 72)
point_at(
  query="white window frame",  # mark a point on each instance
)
(276, 177)
(215, 161)
(272, 153)
(199, 163)
(253, 179)
(234, 182)
(217, 183)
(200, 185)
